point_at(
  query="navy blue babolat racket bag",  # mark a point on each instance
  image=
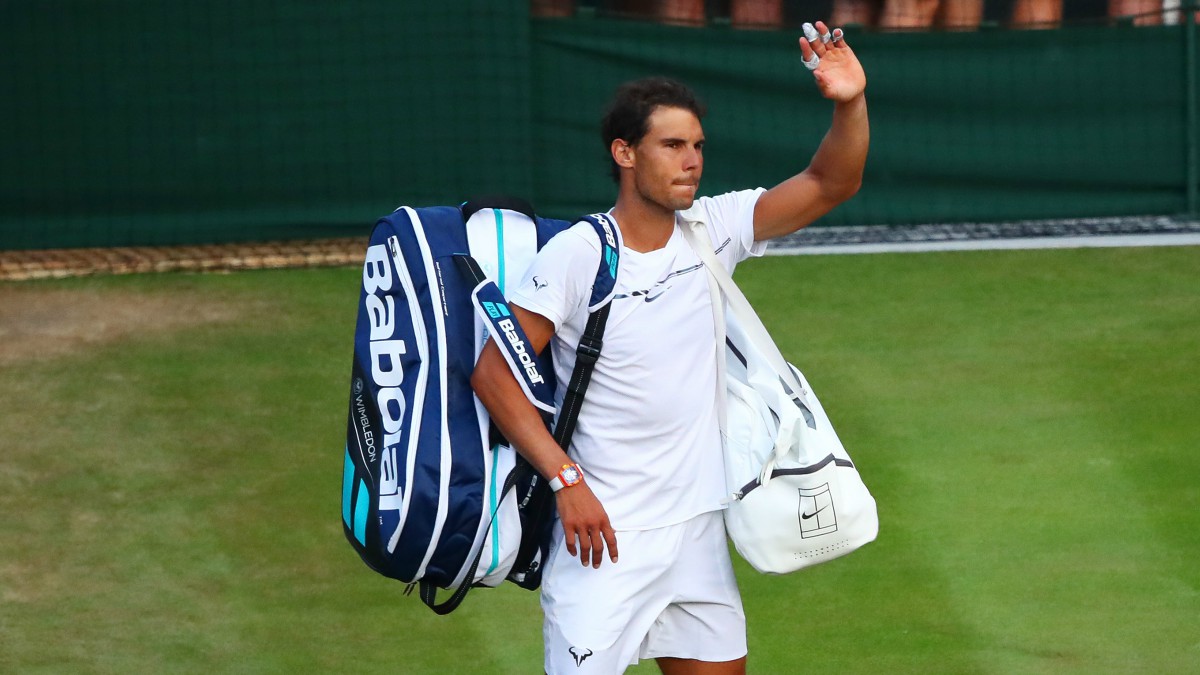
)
(431, 494)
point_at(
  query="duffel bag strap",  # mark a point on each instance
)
(696, 235)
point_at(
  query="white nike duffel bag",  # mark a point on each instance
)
(798, 499)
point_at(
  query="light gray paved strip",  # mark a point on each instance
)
(1096, 241)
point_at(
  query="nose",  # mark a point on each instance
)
(693, 159)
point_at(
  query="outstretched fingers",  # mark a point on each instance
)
(817, 41)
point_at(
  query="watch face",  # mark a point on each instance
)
(570, 475)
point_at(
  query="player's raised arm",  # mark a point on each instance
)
(835, 171)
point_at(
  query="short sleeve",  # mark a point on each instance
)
(553, 286)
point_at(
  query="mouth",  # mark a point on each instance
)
(684, 193)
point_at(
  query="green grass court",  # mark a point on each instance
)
(1027, 420)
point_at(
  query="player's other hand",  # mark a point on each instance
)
(836, 69)
(585, 524)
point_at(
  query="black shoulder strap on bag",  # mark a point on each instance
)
(590, 344)
(586, 356)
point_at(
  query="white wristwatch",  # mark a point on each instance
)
(569, 475)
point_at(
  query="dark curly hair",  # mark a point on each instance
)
(628, 116)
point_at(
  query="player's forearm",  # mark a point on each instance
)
(839, 161)
(513, 414)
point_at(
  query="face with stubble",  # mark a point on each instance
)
(668, 160)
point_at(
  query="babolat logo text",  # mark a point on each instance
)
(610, 251)
(518, 347)
(608, 233)
(387, 371)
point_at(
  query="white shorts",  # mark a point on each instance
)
(671, 593)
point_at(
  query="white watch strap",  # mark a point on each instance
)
(556, 483)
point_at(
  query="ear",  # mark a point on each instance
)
(623, 153)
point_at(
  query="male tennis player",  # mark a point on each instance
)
(645, 465)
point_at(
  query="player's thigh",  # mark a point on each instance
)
(705, 620)
(596, 619)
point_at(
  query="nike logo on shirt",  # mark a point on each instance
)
(646, 293)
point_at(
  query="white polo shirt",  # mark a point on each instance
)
(647, 437)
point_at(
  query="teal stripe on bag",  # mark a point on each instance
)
(347, 486)
(496, 449)
(495, 520)
(360, 513)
